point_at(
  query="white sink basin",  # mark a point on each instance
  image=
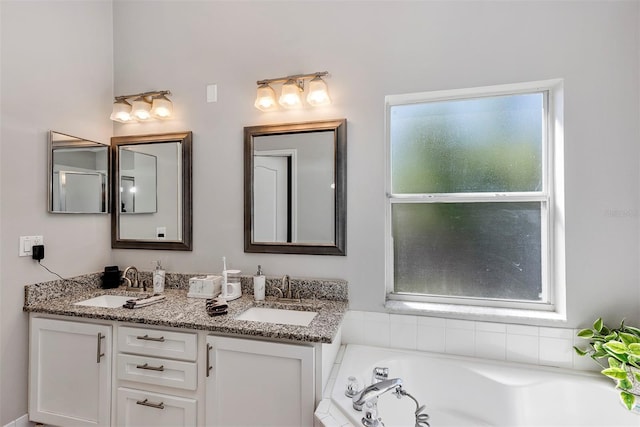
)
(105, 301)
(277, 315)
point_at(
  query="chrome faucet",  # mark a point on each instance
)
(369, 397)
(286, 286)
(285, 292)
(133, 284)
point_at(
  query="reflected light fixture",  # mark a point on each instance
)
(292, 90)
(144, 106)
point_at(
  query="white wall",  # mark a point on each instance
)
(377, 48)
(56, 74)
(57, 62)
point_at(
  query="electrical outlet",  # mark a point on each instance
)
(27, 242)
(161, 233)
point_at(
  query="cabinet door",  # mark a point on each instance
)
(70, 373)
(137, 408)
(257, 383)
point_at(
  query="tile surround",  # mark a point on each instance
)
(489, 340)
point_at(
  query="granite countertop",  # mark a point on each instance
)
(179, 311)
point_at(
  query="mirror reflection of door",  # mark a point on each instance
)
(274, 175)
(127, 194)
(79, 191)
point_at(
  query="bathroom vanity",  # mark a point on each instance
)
(171, 364)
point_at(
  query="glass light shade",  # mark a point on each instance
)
(162, 107)
(265, 98)
(290, 96)
(121, 112)
(318, 93)
(141, 108)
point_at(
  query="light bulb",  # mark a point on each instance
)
(121, 111)
(162, 107)
(290, 96)
(265, 98)
(141, 108)
(318, 93)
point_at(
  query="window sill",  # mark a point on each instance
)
(468, 312)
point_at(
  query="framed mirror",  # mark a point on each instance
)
(152, 191)
(295, 188)
(78, 175)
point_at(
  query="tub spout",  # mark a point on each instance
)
(371, 393)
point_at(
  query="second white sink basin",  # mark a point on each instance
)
(277, 315)
(105, 301)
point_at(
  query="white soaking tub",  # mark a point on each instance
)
(462, 391)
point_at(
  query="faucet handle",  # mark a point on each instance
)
(379, 374)
(352, 387)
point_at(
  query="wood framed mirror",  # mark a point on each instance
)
(295, 188)
(155, 171)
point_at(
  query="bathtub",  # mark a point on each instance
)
(462, 391)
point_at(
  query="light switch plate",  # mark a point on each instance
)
(27, 242)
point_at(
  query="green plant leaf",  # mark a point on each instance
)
(580, 351)
(597, 325)
(615, 373)
(625, 384)
(585, 333)
(634, 348)
(628, 338)
(628, 399)
(636, 375)
(614, 363)
(616, 347)
(633, 330)
(611, 337)
(598, 351)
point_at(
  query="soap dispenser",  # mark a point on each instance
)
(258, 285)
(158, 279)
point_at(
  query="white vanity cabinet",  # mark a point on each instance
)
(157, 372)
(259, 383)
(110, 373)
(69, 373)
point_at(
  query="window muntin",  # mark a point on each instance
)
(469, 198)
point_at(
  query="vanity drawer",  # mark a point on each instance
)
(155, 342)
(163, 372)
(138, 408)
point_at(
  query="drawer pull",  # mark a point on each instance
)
(150, 404)
(209, 367)
(148, 338)
(151, 368)
(99, 352)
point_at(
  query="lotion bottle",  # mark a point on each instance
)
(258, 285)
(158, 279)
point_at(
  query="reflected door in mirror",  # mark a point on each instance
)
(78, 175)
(152, 179)
(295, 188)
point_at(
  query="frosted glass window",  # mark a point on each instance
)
(485, 250)
(471, 145)
(468, 197)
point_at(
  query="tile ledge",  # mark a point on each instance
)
(467, 312)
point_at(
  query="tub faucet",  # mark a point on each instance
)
(371, 393)
(369, 397)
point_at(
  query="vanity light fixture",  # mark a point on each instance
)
(292, 90)
(144, 106)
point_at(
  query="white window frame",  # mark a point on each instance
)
(553, 304)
